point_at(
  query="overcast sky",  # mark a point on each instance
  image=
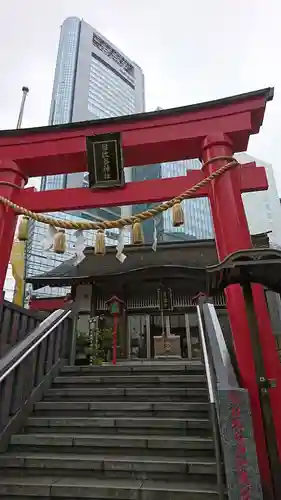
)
(189, 50)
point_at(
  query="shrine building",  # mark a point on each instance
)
(156, 289)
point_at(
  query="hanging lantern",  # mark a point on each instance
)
(23, 229)
(59, 245)
(138, 237)
(100, 248)
(178, 215)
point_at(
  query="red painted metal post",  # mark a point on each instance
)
(114, 338)
(11, 180)
(232, 234)
(270, 357)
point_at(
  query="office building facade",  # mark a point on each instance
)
(93, 80)
(263, 209)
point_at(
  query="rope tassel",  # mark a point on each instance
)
(23, 229)
(100, 248)
(59, 244)
(178, 215)
(138, 237)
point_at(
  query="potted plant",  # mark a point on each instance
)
(95, 346)
(82, 343)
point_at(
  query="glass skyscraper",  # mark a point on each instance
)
(197, 215)
(93, 80)
(139, 174)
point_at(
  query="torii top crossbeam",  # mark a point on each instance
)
(160, 136)
(147, 138)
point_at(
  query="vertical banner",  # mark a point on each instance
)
(17, 261)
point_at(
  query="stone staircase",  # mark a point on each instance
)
(132, 432)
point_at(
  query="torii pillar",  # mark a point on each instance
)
(12, 179)
(232, 234)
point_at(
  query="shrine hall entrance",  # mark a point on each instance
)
(181, 329)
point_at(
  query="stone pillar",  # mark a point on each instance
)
(274, 307)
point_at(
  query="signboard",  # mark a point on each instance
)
(165, 300)
(105, 161)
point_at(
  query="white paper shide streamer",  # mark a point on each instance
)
(48, 240)
(79, 246)
(154, 244)
(120, 247)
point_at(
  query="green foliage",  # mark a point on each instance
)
(94, 347)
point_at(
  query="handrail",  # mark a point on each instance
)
(225, 374)
(16, 323)
(231, 413)
(18, 353)
(31, 313)
(211, 384)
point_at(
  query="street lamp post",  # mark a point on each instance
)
(25, 91)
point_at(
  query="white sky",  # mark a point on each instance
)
(190, 51)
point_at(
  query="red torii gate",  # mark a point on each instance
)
(207, 130)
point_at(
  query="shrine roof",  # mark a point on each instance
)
(187, 253)
(267, 94)
(170, 258)
(255, 265)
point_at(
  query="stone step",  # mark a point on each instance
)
(134, 431)
(115, 444)
(159, 368)
(128, 394)
(125, 408)
(15, 488)
(139, 380)
(157, 468)
(172, 426)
